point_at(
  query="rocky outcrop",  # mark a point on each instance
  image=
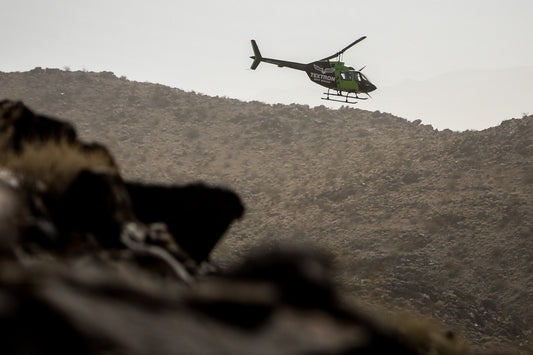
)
(73, 195)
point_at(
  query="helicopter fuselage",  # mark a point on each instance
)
(335, 75)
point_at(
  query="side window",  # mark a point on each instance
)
(346, 75)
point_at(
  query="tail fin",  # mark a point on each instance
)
(257, 56)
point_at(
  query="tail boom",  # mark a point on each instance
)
(258, 58)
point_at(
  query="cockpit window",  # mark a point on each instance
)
(352, 74)
(360, 77)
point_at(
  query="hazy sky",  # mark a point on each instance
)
(205, 46)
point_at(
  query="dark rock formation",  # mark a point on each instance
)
(94, 204)
(82, 196)
(12, 213)
(196, 215)
(19, 125)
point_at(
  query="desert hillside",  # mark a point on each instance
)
(436, 222)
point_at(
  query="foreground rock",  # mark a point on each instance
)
(74, 194)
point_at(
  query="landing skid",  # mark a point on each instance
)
(347, 98)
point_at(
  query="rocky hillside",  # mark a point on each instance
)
(418, 220)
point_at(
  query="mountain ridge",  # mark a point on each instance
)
(437, 222)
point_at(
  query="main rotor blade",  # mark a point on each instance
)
(345, 49)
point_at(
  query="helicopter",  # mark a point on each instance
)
(343, 80)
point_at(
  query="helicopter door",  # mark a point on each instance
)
(348, 81)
